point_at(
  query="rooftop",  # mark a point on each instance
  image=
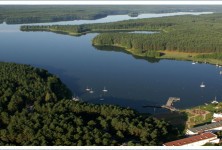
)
(218, 119)
(206, 127)
(191, 139)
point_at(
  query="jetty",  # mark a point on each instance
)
(169, 104)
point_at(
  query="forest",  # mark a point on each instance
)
(36, 109)
(190, 34)
(37, 14)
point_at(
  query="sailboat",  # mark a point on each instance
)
(105, 90)
(202, 85)
(91, 91)
(75, 98)
(87, 89)
(214, 101)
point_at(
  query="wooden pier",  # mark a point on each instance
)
(169, 104)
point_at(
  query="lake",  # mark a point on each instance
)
(131, 82)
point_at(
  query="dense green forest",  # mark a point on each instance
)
(200, 34)
(189, 33)
(36, 14)
(36, 109)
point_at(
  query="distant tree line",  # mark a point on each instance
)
(199, 34)
(38, 14)
(196, 34)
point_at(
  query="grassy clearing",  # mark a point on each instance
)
(188, 56)
(196, 118)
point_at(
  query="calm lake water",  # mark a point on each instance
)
(130, 81)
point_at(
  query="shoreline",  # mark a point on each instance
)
(172, 55)
(191, 117)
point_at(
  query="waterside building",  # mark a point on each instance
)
(196, 140)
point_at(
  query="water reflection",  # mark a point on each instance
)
(119, 49)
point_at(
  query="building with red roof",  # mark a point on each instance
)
(196, 140)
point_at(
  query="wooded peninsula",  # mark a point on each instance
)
(191, 37)
(36, 108)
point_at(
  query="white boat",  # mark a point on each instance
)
(193, 63)
(202, 85)
(220, 72)
(91, 91)
(215, 101)
(75, 98)
(87, 89)
(105, 90)
(217, 65)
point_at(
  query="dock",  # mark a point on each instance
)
(169, 104)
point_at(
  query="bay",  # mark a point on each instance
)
(131, 82)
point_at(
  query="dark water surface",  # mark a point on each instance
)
(130, 81)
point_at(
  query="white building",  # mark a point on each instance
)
(196, 140)
(217, 115)
(213, 127)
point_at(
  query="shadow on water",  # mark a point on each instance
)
(67, 33)
(177, 119)
(59, 32)
(127, 103)
(71, 82)
(119, 49)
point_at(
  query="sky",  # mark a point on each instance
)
(111, 2)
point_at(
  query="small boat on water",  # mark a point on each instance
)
(214, 101)
(105, 90)
(217, 65)
(91, 91)
(87, 89)
(220, 72)
(202, 85)
(75, 98)
(193, 63)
